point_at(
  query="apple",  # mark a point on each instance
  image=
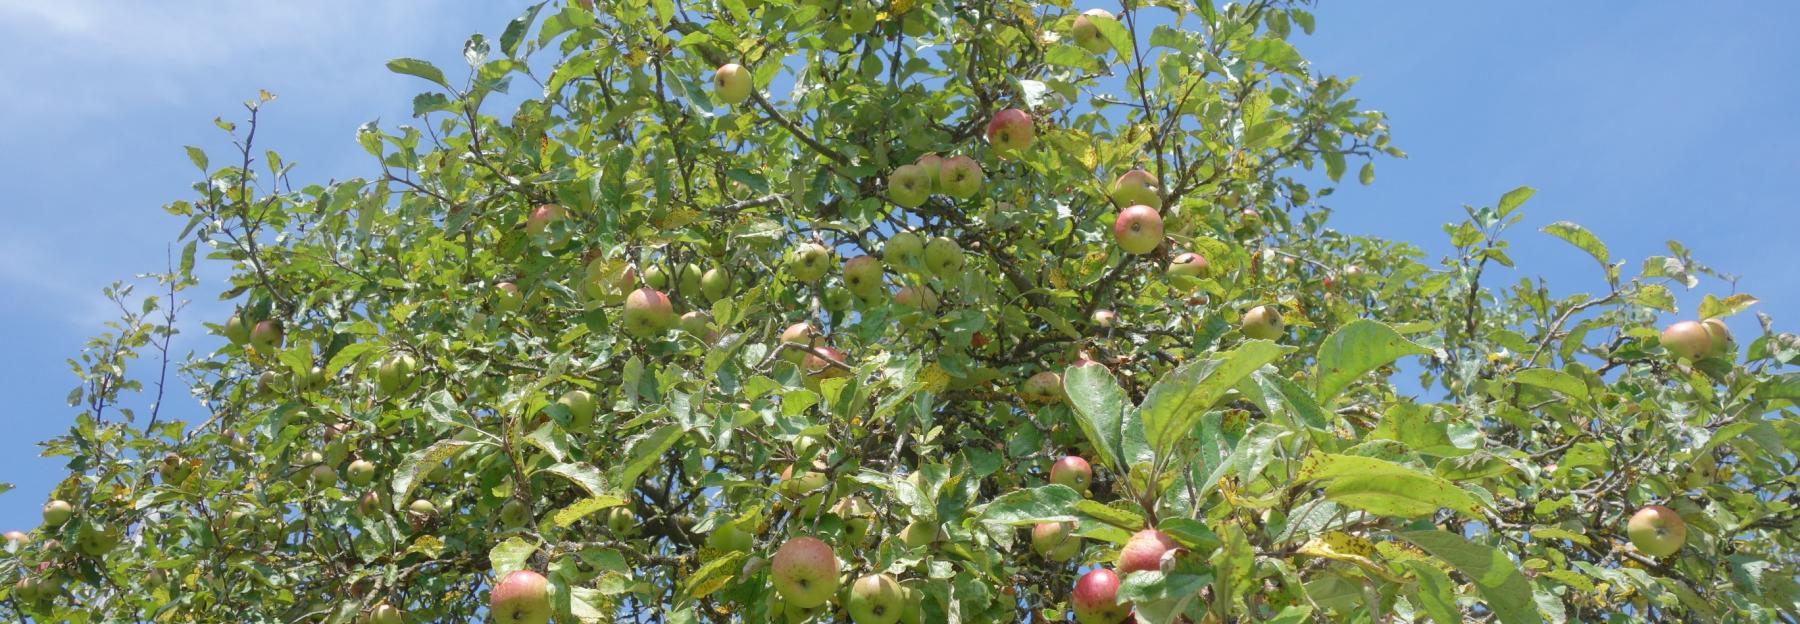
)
(17, 536)
(855, 512)
(805, 492)
(656, 277)
(1189, 264)
(27, 590)
(57, 512)
(805, 572)
(581, 408)
(933, 165)
(909, 185)
(237, 330)
(875, 599)
(809, 262)
(1250, 217)
(1139, 229)
(395, 374)
(819, 368)
(175, 469)
(803, 334)
(507, 298)
(904, 252)
(648, 312)
(912, 603)
(1086, 34)
(373, 502)
(1720, 336)
(1353, 273)
(267, 335)
(697, 323)
(961, 177)
(1656, 530)
(323, 476)
(1144, 551)
(1262, 323)
(728, 537)
(862, 276)
(420, 513)
(541, 217)
(731, 84)
(514, 513)
(95, 540)
(383, 613)
(1096, 598)
(523, 597)
(1136, 188)
(360, 472)
(1055, 541)
(1105, 318)
(715, 283)
(920, 298)
(1072, 471)
(918, 534)
(1043, 387)
(622, 521)
(944, 257)
(1010, 132)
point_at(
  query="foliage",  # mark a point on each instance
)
(1304, 478)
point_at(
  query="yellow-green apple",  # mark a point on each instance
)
(1072, 471)
(507, 297)
(1104, 318)
(809, 262)
(542, 216)
(855, 513)
(523, 597)
(1656, 530)
(802, 334)
(1189, 264)
(267, 335)
(17, 536)
(1144, 551)
(648, 312)
(420, 513)
(1010, 132)
(1086, 34)
(805, 572)
(396, 373)
(961, 177)
(514, 513)
(175, 469)
(731, 83)
(875, 599)
(1134, 188)
(1719, 335)
(918, 534)
(1262, 323)
(730, 537)
(1043, 387)
(1055, 541)
(95, 539)
(1096, 598)
(237, 330)
(908, 185)
(323, 476)
(862, 276)
(622, 521)
(383, 613)
(656, 277)
(904, 252)
(1688, 339)
(697, 323)
(920, 298)
(805, 492)
(581, 408)
(1138, 229)
(715, 283)
(57, 512)
(944, 257)
(932, 164)
(360, 472)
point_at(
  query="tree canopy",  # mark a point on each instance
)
(919, 311)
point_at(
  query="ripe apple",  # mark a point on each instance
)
(1144, 551)
(383, 613)
(581, 408)
(622, 521)
(918, 534)
(1105, 318)
(875, 599)
(1353, 273)
(648, 312)
(1262, 323)
(932, 164)
(819, 368)
(1719, 335)
(420, 513)
(944, 257)
(396, 373)
(95, 540)
(507, 298)
(267, 335)
(17, 536)
(862, 276)
(1189, 264)
(1055, 541)
(360, 472)
(904, 252)
(1136, 188)
(1010, 132)
(920, 298)
(809, 262)
(1688, 339)
(523, 597)
(805, 572)
(731, 84)
(803, 334)
(698, 323)
(57, 512)
(909, 185)
(1043, 387)
(541, 217)
(715, 283)
(961, 177)
(1657, 531)
(1072, 471)
(373, 503)
(514, 513)
(237, 330)
(1139, 229)
(1096, 598)
(1086, 34)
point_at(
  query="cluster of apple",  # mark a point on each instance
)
(1697, 339)
(95, 538)
(1096, 596)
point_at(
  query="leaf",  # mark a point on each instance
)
(715, 574)
(584, 475)
(1182, 395)
(198, 157)
(1114, 516)
(420, 463)
(1356, 348)
(1554, 380)
(509, 556)
(1553, 533)
(1279, 395)
(1654, 296)
(1434, 592)
(1046, 503)
(1505, 590)
(647, 451)
(418, 67)
(567, 516)
(1100, 408)
(1515, 198)
(1385, 488)
(1581, 238)
(1713, 307)
(516, 29)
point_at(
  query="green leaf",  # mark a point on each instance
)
(1554, 380)
(1514, 198)
(1100, 410)
(1367, 176)
(1045, 503)
(647, 451)
(584, 475)
(715, 574)
(1581, 238)
(1279, 395)
(1714, 307)
(1504, 589)
(419, 464)
(1233, 565)
(1434, 592)
(1128, 520)
(418, 67)
(1654, 296)
(1181, 396)
(1356, 348)
(516, 29)
(567, 516)
(509, 556)
(1553, 533)
(1385, 488)
(198, 157)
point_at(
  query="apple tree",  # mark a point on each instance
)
(918, 311)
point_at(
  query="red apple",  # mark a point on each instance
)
(1010, 132)
(1096, 598)
(805, 572)
(648, 312)
(1189, 264)
(1072, 471)
(1138, 229)
(523, 597)
(1144, 551)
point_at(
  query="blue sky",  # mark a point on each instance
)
(1661, 120)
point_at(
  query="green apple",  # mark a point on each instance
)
(514, 513)
(1136, 188)
(420, 514)
(396, 373)
(383, 613)
(1044, 387)
(656, 277)
(581, 408)
(933, 164)
(875, 599)
(622, 521)
(523, 597)
(904, 252)
(855, 512)
(728, 537)
(944, 257)
(507, 298)
(687, 279)
(1719, 335)
(961, 177)
(918, 534)
(909, 185)
(731, 84)
(715, 283)
(805, 572)
(1657, 531)
(175, 469)
(1138, 229)
(697, 323)
(57, 512)
(373, 503)
(1011, 132)
(360, 472)
(809, 262)
(95, 540)
(237, 330)
(1262, 323)
(1086, 34)
(863, 276)
(323, 476)
(1055, 541)
(267, 335)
